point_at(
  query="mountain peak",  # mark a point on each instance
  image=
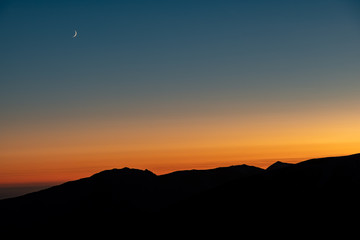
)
(124, 172)
(278, 165)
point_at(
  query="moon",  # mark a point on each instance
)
(75, 34)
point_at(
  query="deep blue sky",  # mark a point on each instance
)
(141, 52)
(145, 58)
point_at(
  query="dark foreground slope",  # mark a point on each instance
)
(114, 197)
(242, 197)
(318, 192)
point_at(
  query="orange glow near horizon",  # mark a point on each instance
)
(66, 166)
(60, 153)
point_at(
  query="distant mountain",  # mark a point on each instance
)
(278, 165)
(118, 190)
(182, 184)
(318, 190)
(125, 192)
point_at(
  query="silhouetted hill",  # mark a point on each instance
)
(182, 184)
(278, 165)
(318, 190)
(124, 192)
(118, 191)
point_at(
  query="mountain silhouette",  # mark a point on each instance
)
(318, 190)
(124, 192)
(278, 165)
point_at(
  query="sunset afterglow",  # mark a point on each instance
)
(174, 85)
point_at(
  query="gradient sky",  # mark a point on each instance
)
(169, 85)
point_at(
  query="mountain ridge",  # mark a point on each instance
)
(138, 197)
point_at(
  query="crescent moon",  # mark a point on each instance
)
(75, 34)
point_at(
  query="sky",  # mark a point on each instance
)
(170, 85)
